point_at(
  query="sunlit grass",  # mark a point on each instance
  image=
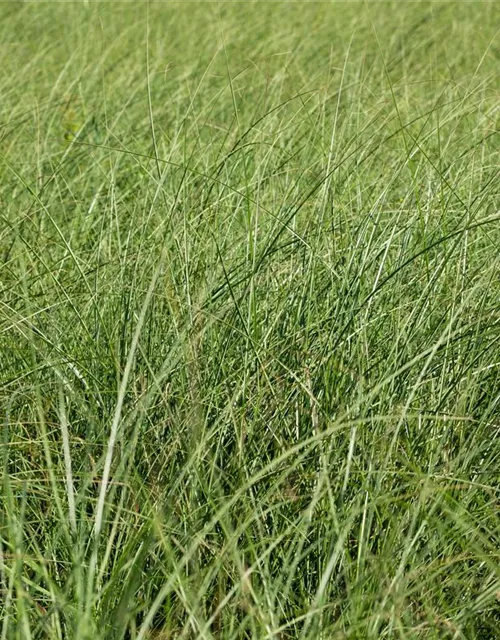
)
(249, 320)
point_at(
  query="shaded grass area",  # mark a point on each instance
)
(249, 320)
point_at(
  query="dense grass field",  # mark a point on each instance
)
(250, 321)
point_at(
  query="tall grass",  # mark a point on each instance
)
(249, 320)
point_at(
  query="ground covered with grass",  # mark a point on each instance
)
(249, 321)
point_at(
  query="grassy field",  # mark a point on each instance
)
(250, 321)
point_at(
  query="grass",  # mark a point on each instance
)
(250, 320)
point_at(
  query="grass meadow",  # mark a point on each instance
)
(249, 320)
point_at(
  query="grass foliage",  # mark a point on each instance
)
(249, 321)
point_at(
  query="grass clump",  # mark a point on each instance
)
(250, 327)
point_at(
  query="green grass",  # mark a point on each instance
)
(250, 321)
